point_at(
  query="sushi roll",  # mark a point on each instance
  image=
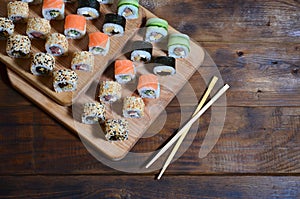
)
(57, 44)
(110, 91)
(179, 45)
(83, 61)
(38, 28)
(114, 24)
(133, 107)
(90, 9)
(164, 65)
(124, 71)
(64, 80)
(7, 27)
(156, 29)
(148, 86)
(93, 113)
(128, 8)
(75, 26)
(53, 9)
(42, 64)
(142, 51)
(116, 129)
(99, 43)
(18, 46)
(18, 11)
(106, 1)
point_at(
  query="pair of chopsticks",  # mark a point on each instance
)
(185, 129)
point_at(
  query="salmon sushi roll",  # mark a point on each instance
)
(128, 8)
(99, 43)
(83, 61)
(116, 129)
(38, 28)
(133, 107)
(124, 71)
(42, 64)
(64, 80)
(90, 9)
(7, 28)
(114, 24)
(148, 86)
(93, 113)
(53, 9)
(75, 26)
(110, 91)
(57, 44)
(18, 46)
(18, 11)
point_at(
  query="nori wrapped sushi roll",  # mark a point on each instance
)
(164, 65)
(128, 8)
(18, 46)
(7, 27)
(142, 51)
(116, 129)
(42, 64)
(114, 24)
(90, 9)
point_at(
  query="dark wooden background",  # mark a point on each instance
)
(256, 46)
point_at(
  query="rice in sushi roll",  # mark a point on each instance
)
(57, 44)
(124, 71)
(38, 28)
(90, 9)
(164, 65)
(64, 80)
(148, 86)
(83, 61)
(179, 45)
(142, 51)
(128, 8)
(116, 129)
(156, 29)
(18, 11)
(106, 1)
(42, 64)
(53, 9)
(99, 43)
(133, 107)
(75, 26)
(93, 113)
(18, 46)
(114, 24)
(110, 91)
(7, 27)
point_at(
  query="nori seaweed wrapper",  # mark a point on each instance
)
(89, 3)
(142, 45)
(115, 19)
(164, 60)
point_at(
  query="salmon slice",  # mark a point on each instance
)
(98, 39)
(149, 80)
(53, 4)
(124, 67)
(77, 22)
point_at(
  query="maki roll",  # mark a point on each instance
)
(133, 107)
(116, 129)
(128, 8)
(64, 80)
(142, 51)
(106, 1)
(124, 71)
(57, 44)
(110, 91)
(156, 29)
(53, 9)
(42, 64)
(114, 24)
(164, 65)
(93, 113)
(18, 46)
(178, 45)
(7, 27)
(99, 43)
(18, 11)
(148, 86)
(38, 28)
(89, 9)
(75, 26)
(83, 61)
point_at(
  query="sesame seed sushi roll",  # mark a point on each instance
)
(148, 86)
(42, 64)
(90, 9)
(7, 28)
(57, 44)
(179, 45)
(116, 129)
(156, 29)
(93, 113)
(18, 46)
(53, 9)
(142, 51)
(38, 28)
(18, 11)
(164, 65)
(75, 26)
(110, 91)
(133, 107)
(106, 1)
(99, 43)
(64, 80)
(114, 24)
(124, 71)
(128, 8)
(83, 61)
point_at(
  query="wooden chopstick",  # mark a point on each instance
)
(192, 120)
(180, 140)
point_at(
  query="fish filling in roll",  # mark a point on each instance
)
(42, 70)
(55, 50)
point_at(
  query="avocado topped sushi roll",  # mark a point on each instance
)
(142, 51)
(114, 24)
(179, 45)
(164, 65)
(89, 9)
(156, 29)
(128, 8)
(7, 27)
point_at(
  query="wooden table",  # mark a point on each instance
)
(256, 46)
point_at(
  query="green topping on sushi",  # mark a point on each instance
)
(157, 22)
(128, 2)
(54, 13)
(179, 39)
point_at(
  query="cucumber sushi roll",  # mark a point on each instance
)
(142, 51)
(53, 9)
(18, 46)
(18, 11)
(42, 64)
(83, 61)
(110, 91)
(38, 28)
(7, 28)
(75, 26)
(116, 129)
(148, 86)
(90, 9)
(124, 71)
(93, 113)
(156, 29)
(178, 45)
(106, 1)
(64, 80)
(114, 24)
(99, 43)
(128, 8)
(56, 44)
(133, 107)
(164, 65)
